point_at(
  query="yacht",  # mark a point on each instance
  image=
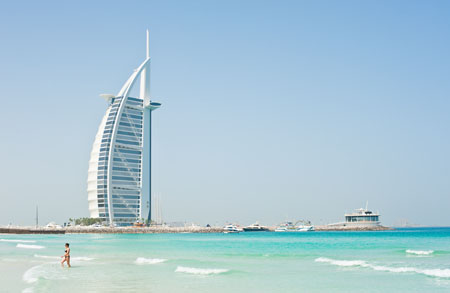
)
(281, 228)
(305, 228)
(255, 228)
(52, 225)
(290, 227)
(286, 227)
(231, 229)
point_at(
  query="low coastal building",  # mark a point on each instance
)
(361, 218)
(119, 175)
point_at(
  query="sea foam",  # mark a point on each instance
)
(29, 246)
(82, 258)
(342, 263)
(32, 274)
(47, 256)
(150, 261)
(43, 271)
(76, 258)
(197, 271)
(17, 241)
(441, 273)
(419, 252)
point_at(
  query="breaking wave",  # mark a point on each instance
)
(17, 241)
(76, 258)
(83, 258)
(42, 271)
(32, 275)
(197, 271)
(29, 246)
(441, 273)
(342, 263)
(47, 256)
(150, 261)
(419, 252)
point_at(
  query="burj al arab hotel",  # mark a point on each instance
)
(119, 175)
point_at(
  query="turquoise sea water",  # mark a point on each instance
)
(404, 260)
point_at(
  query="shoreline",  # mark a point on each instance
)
(158, 230)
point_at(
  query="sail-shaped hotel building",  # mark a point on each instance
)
(119, 175)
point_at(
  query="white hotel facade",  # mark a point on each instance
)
(119, 175)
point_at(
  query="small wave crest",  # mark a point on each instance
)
(437, 273)
(32, 274)
(419, 252)
(83, 258)
(43, 271)
(342, 263)
(441, 273)
(150, 261)
(19, 245)
(17, 241)
(198, 271)
(47, 256)
(76, 258)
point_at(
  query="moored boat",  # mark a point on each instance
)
(305, 226)
(286, 227)
(255, 228)
(231, 229)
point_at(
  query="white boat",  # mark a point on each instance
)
(231, 229)
(281, 229)
(286, 227)
(52, 225)
(305, 228)
(290, 227)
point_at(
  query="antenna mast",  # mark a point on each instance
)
(37, 216)
(148, 45)
(145, 75)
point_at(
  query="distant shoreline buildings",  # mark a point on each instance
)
(119, 174)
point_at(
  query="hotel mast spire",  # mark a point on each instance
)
(145, 76)
(148, 45)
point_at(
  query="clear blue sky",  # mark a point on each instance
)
(271, 109)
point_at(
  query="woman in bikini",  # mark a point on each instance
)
(66, 256)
